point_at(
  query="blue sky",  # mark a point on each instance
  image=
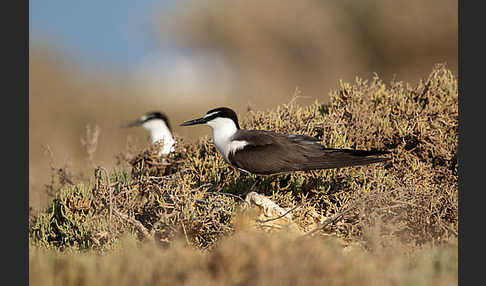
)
(111, 33)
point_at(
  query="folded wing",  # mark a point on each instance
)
(272, 153)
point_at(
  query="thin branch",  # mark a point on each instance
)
(334, 218)
(138, 225)
(280, 216)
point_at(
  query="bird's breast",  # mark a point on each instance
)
(226, 147)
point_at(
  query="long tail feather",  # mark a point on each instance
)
(338, 158)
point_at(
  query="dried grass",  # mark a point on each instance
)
(194, 195)
(247, 258)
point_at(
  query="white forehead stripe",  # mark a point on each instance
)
(212, 113)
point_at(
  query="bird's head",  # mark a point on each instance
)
(217, 118)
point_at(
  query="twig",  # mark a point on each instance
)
(185, 234)
(65, 177)
(215, 191)
(280, 216)
(450, 229)
(334, 218)
(135, 223)
(231, 195)
(110, 207)
(426, 88)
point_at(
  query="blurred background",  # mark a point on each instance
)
(102, 63)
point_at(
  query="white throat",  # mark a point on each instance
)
(159, 131)
(223, 131)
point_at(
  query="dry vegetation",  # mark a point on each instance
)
(309, 44)
(148, 222)
(247, 258)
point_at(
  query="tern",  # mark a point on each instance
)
(263, 152)
(158, 125)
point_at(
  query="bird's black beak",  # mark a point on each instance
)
(131, 124)
(195, 121)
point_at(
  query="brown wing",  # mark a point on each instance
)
(271, 153)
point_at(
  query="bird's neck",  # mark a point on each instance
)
(159, 131)
(223, 130)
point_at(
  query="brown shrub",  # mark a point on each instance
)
(412, 197)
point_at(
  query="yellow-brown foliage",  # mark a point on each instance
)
(412, 198)
(248, 258)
